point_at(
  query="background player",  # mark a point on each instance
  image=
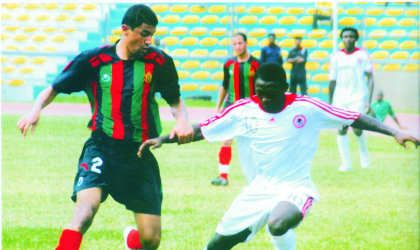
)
(381, 108)
(278, 137)
(272, 52)
(120, 81)
(348, 89)
(297, 57)
(238, 83)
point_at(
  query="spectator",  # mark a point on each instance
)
(381, 108)
(323, 11)
(297, 57)
(272, 52)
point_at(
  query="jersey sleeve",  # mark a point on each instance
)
(368, 66)
(167, 81)
(74, 77)
(390, 110)
(332, 75)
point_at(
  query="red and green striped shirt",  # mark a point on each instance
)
(121, 92)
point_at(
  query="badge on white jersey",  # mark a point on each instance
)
(299, 121)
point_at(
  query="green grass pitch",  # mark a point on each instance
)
(376, 208)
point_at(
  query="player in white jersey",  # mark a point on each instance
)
(277, 140)
(349, 89)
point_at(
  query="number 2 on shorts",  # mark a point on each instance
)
(97, 162)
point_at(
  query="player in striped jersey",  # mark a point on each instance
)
(120, 81)
(238, 83)
(278, 138)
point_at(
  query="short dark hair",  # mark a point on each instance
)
(242, 35)
(139, 14)
(271, 34)
(272, 72)
(298, 37)
(350, 29)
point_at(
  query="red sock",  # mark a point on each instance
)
(133, 240)
(225, 155)
(69, 240)
(224, 175)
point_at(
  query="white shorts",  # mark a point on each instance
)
(251, 210)
(353, 106)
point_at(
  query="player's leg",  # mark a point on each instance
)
(146, 235)
(303, 86)
(225, 156)
(222, 242)
(363, 149)
(293, 85)
(344, 149)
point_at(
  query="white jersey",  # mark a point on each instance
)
(276, 149)
(348, 70)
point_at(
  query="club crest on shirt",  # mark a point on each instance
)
(252, 73)
(299, 121)
(105, 78)
(148, 78)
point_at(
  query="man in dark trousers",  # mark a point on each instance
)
(272, 52)
(297, 57)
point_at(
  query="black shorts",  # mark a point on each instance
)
(114, 166)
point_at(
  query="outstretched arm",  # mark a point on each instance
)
(157, 142)
(182, 129)
(365, 122)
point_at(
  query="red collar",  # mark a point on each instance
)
(355, 49)
(290, 98)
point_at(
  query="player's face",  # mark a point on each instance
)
(239, 45)
(379, 97)
(270, 94)
(298, 42)
(349, 39)
(272, 39)
(139, 39)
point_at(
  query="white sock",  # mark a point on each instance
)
(344, 149)
(363, 150)
(286, 241)
(223, 169)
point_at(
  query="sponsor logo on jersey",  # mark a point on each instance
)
(148, 78)
(299, 121)
(105, 78)
(272, 120)
(85, 166)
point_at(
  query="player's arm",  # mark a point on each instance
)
(222, 95)
(331, 88)
(371, 85)
(182, 129)
(32, 118)
(365, 122)
(392, 114)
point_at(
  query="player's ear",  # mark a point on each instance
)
(124, 29)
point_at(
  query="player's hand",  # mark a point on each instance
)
(300, 59)
(151, 143)
(217, 111)
(27, 121)
(183, 130)
(403, 138)
(368, 109)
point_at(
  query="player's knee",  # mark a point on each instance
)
(357, 132)
(279, 226)
(83, 218)
(150, 241)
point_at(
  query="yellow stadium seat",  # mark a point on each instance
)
(314, 89)
(295, 11)
(399, 55)
(177, 63)
(11, 28)
(171, 40)
(225, 41)
(284, 53)
(160, 31)
(197, 9)
(414, 34)
(179, 8)
(412, 12)
(42, 17)
(19, 60)
(190, 64)
(189, 87)
(398, 34)
(319, 54)
(62, 17)
(297, 33)
(200, 75)
(23, 17)
(394, 12)
(50, 49)
(2, 81)
(258, 32)
(252, 41)
(408, 45)
(29, 29)
(69, 6)
(4, 36)
(317, 33)
(21, 37)
(309, 43)
(256, 10)
(288, 43)
(306, 20)
(377, 66)
(50, 6)
(210, 64)
(325, 66)
(341, 45)
(217, 76)
(326, 44)
(387, 21)
(209, 41)
(32, 6)
(287, 66)
(279, 32)
(8, 69)
(379, 55)
(415, 55)
(160, 8)
(39, 60)
(179, 31)
(407, 22)
(16, 82)
(369, 21)
(4, 59)
(49, 29)
(170, 19)
(325, 90)
(118, 32)
(209, 19)
(256, 54)
(226, 20)
(219, 53)
(238, 9)
(68, 30)
(198, 31)
(374, 12)
(189, 41)
(80, 18)
(391, 67)
(268, 20)
(312, 65)
(218, 32)
(411, 67)
(210, 87)
(370, 44)
(347, 21)
(354, 11)
(39, 37)
(248, 20)
(30, 48)
(275, 10)
(27, 70)
(217, 9)
(361, 3)
(390, 44)
(182, 74)
(10, 6)
(377, 34)
(89, 6)
(59, 38)
(288, 20)
(310, 11)
(199, 52)
(321, 77)
(6, 16)
(264, 42)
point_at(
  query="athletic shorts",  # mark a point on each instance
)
(114, 166)
(252, 209)
(353, 106)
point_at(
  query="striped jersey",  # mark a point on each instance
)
(276, 149)
(121, 92)
(238, 78)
